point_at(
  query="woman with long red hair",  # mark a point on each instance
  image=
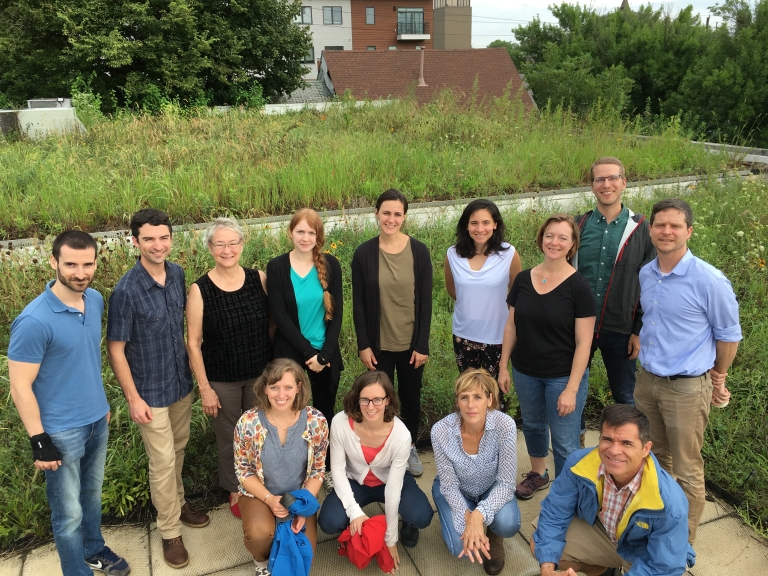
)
(305, 298)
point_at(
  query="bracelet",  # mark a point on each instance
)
(267, 496)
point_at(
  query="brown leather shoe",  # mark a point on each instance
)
(174, 553)
(192, 517)
(496, 563)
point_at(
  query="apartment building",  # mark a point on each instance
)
(391, 24)
(330, 23)
(453, 24)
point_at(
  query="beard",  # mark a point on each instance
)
(70, 283)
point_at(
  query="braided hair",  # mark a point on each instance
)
(315, 222)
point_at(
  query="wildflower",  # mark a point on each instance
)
(713, 244)
(340, 243)
(333, 245)
(739, 233)
(761, 248)
(327, 251)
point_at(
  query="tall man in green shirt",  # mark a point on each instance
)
(614, 245)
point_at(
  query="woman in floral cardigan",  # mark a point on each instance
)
(280, 446)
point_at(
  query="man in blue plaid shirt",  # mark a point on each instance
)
(145, 341)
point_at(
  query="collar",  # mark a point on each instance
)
(680, 269)
(633, 486)
(598, 216)
(55, 302)
(145, 279)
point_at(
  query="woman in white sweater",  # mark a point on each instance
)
(375, 444)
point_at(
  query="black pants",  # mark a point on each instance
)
(408, 386)
(324, 399)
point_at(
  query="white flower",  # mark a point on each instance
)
(739, 233)
(761, 248)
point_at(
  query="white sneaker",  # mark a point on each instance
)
(328, 482)
(415, 466)
(262, 571)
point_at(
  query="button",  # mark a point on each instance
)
(659, 281)
(603, 247)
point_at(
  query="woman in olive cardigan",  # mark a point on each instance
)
(314, 345)
(395, 303)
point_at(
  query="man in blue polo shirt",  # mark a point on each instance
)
(145, 341)
(54, 365)
(688, 341)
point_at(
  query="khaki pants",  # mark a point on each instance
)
(678, 411)
(590, 545)
(259, 527)
(165, 438)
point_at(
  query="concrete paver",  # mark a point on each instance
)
(11, 565)
(724, 544)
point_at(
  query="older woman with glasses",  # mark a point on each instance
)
(371, 445)
(228, 340)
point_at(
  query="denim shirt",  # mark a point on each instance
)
(149, 318)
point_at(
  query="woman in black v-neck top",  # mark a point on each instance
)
(548, 336)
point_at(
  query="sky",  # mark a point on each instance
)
(494, 19)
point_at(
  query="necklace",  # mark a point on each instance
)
(284, 428)
(543, 280)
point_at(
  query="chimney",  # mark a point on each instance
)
(421, 71)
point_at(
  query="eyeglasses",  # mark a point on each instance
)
(602, 179)
(221, 245)
(376, 401)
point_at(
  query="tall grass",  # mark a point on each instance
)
(248, 164)
(729, 231)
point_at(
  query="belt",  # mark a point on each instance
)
(677, 376)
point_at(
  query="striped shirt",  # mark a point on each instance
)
(616, 500)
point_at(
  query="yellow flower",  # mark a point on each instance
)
(333, 245)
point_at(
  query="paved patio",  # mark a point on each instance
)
(725, 545)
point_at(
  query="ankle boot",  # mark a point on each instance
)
(496, 564)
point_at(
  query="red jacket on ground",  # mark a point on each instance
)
(360, 549)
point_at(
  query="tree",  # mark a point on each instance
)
(140, 51)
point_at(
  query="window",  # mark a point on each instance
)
(331, 14)
(305, 16)
(393, 47)
(371, 48)
(410, 20)
(334, 47)
(309, 57)
(419, 47)
(370, 17)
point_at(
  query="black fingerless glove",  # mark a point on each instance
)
(321, 359)
(44, 449)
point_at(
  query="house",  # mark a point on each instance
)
(395, 73)
(391, 24)
(330, 23)
(453, 24)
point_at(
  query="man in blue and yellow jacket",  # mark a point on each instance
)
(614, 507)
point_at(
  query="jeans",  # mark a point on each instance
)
(74, 494)
(538, 406)
(506, 522)
(408, 386)
(414, 506)
(619, 368)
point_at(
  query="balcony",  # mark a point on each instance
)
(413, 30)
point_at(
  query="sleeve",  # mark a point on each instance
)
(120, 317)
(339, 469)
(514, 292)
(394, 486)
(425, 300)
(246, 450)
(319, 433)
(723, 311)
(666, 551)
(333, 328)
(277, 289)
(649, 253)
(29, 340)
(359, 301)
(583, 299)
(450, 487)
(504, 491)
(557, 511)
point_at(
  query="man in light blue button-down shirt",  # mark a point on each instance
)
(688, 341)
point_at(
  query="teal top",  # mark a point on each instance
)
(598, 249)
(309, 301)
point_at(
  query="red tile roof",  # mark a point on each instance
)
(393, 73)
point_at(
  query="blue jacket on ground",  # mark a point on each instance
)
(291, 554)
(652, 533)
